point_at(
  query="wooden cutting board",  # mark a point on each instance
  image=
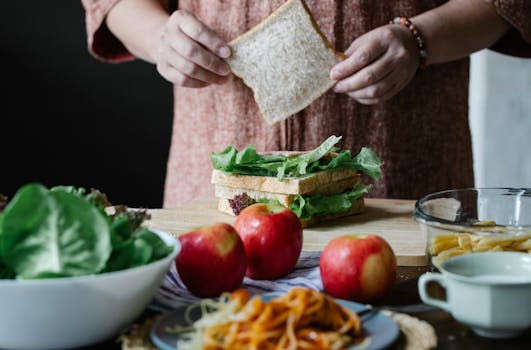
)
(389, 218)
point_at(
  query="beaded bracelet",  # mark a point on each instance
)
(418, 39)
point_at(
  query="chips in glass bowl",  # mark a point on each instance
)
(473, 220)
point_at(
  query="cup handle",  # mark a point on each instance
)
(423, 281)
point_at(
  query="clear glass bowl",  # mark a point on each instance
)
(475, 220)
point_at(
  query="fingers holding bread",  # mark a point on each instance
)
(202, 34)
(361, 53)
(197, 54)
(191, 54)
(367, 76)
(379, 64)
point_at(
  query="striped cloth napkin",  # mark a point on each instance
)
(172, 292)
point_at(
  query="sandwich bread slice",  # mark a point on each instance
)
(318, 185)
(285, 60)
(223, 190)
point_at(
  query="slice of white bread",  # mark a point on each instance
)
(224, 206)
(335, 187)
(285, 60)
(300, 185)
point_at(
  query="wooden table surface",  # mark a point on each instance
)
(389, 218)
(394, 214)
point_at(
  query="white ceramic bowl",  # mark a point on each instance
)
(79, 311)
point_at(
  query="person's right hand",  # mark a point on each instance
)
(190, 54)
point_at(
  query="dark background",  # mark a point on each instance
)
(69, 119)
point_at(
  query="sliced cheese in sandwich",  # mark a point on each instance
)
(285, 60)
(317, 185)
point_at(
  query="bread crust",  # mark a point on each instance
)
(339, 186)
(300, 185)
(283, 7)
(339, 55)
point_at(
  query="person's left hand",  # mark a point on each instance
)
(380, 63)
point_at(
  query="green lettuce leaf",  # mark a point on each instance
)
(53, 234)
(249, 162)
(65, 231)
(307, 206)
(142, 248)
(367, 161)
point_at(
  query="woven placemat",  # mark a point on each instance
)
(416, 334)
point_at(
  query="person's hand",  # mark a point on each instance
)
(190, 54)
(379, 64)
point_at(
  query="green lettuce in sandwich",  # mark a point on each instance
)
(321, 184)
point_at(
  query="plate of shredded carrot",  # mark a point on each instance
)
(298, 319)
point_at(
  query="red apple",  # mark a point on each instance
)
(361, 268)
(212, 260)
(272, 237)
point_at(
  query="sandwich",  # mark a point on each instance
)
(318, 185)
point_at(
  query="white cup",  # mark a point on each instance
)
(490, 292)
